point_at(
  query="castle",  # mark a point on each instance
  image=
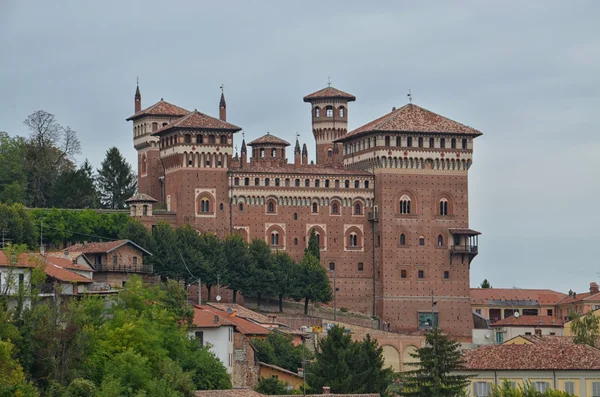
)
(388, 201)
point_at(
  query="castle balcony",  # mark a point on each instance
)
(124, 268)
(465, 242)
(464, 249)
(373, 216)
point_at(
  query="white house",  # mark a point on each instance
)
(516, 325)
(215, 331)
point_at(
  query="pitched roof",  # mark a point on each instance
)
(59, 258)
(529, 321)
(269, 139)
(329, 93)
(54, 267)
(584, 296)
(241, 311)
(412, 118)
(545, 353)
(62, 274)
(141, 197)
(243, 326)
(204, 318)
(104, 247)
(229, 393)
(24, 260)
(160, 108)
(200, 121)
(543, 297)
(276, 368)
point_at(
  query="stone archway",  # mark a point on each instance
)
(407, 359)
(391, 357)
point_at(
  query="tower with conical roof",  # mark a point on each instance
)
(329, 109)
(222, 106)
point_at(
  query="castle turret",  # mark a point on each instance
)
(222, 107)
(329, 121)
(138, 99)
(304, 154)
(297, 153)
(244, 153)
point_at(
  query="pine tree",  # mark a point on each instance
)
(436, 361)
(486, 284)
(313, 245)
(75, 189)
(116, 180)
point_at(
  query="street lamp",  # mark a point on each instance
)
(334, 295)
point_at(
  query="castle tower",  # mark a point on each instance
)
(222, 107)
(329, 109)
(424, 246)
(269, 150)
(145, 123)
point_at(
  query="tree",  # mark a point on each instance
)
(12, 376)
(134, 230)
(278, 349)
(216, 268)
(262, 277)
(237, 260)
(436, 361)
(191, 246)
(49, 151)
(312, 283)
(116, 180)
(349, 367)
(272, 386)
(75, 189)
(486, 284)
(19, 225)
(528, 390)
(586, 329)
(313, 245)
(165, 258)
(284, 277)
(13, 179)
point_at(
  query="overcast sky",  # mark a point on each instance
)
(524, 73)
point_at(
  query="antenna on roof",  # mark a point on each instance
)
(222, 87)
(328, 81)
(137, 80)
(409, 95)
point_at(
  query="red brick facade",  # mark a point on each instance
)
(389, 202)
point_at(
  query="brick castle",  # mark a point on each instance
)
(388, 201)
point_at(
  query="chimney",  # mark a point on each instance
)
(67, 252)
(326, 389)
(301, 371)
(216, 319)
(574, 295)
(538, 332)
(570, 292)
(594, 288)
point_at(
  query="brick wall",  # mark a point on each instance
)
(245, 369)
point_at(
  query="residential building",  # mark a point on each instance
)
(499, 303)
(215, 331)
(579, 303)
(292, 379)
(513, 326)
(388, 201)
(114, 261)
(547, 362)
(568, 324)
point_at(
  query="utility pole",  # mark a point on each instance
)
(199, 292)
(42, 237)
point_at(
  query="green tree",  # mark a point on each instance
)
(80, 388)
(191, 246)
(278, 349)
(348, 367)
(586, 329)
(216, 266)
(75, 189)
(285, 270)
(134, 230)
(313, 245)
(19, 225)
(116, 181)
(12, 376)
(49, 152)
(486, 284)
(312, 283)
(13, 179)
(272, 386)
(528, 390)
(237, 261)
(436, 361)
(262, 276)
(165, 257)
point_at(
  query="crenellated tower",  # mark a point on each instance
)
(329, 109)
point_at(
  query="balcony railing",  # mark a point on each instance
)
(123, 268)
(464, 249)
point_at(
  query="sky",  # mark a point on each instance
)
(524, 73)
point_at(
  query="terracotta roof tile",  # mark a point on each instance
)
(412, 118)
(530, 321)
(329, 93)
(54, 267)
(59, 258)
(161, 108)
(544, 297)
(243, 326)
(63, 274)
(276, 368)
(141, 197)
(546, 353)
(241, 311)
(269, 139)
(197, 120)
(204, 318)
(25, 260)
(103, 247)
(578, 297)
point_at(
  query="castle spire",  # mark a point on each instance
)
(138, 97)
(222, 105)
(297, 148)
(243, 146)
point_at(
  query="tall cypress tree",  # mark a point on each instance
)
(436, 360)
(116, 180)
(313, 245)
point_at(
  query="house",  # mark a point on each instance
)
(499, 303)
(482, 332)
(516, 325)
(251, 393)
(547, 362)
(211, 329)
(292, 379)
(579, 303)
(567, 326)
(113, 261)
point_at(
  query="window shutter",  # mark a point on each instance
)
(595, 389)
(570, 387)
(476, 389)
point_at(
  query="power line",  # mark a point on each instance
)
(78, 233)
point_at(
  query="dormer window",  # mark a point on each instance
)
(329, 111)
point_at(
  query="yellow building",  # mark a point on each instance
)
(567, 326)
(292, 379)
(579, 303)
(548, 362)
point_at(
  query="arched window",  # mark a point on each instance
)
(402, 239)
(241, 206)
(273, 152)
(334, 208)
(187, 138)
(306, 182)
(221, 207)
(342, 111)
(464, 143)
(403, 273)
(274, 238)
(223, 140)
(440, 241)
(329, 111)
(295, 241)
(277, 181)
(262, 153)
(256, 181)
(366, 184)
(318, 236)
(317, 112)
(332, 266)
(329, 153)
(204, 205)
(356, 184)
(271, 207)
(442, 143)
(421, 240)
(211, 139)
(387, 141)
(154, 127)
(315, 208)
(409, 141)
(295, 216)
(431, 142)
(357, 209)
(453, 143)
(236, 181)
(443, 207)
(405, 204)
(317, 182)
(326, 182)
(353, 240)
